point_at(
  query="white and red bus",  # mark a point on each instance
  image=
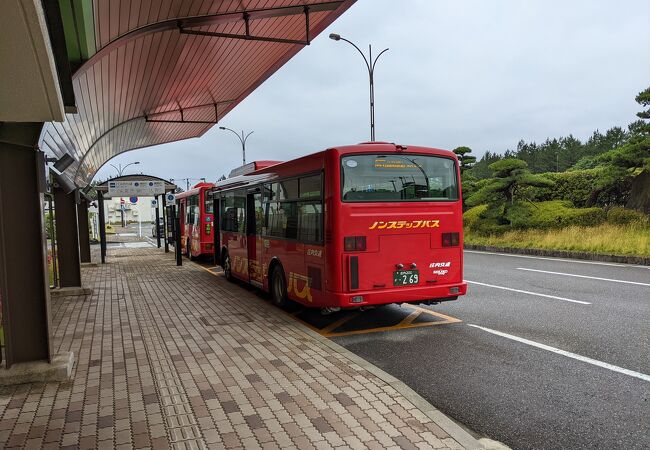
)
(196, 221)
(347, 227)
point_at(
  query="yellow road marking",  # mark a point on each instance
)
(209, 271)
(434, 313)
(338, 323)
(407, 322)
(389, 328)
(410, 318)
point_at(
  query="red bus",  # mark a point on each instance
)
(196, 219)
(347, 227)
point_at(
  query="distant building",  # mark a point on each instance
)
(133, 212)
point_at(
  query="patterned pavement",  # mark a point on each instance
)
(174, 357)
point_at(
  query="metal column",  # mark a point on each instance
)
(164, 227)
(67, 238)
(24, 285)
(84, 231)
(102, 226)
(158, 228)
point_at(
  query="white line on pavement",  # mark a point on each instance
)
(529, 293)
(595, 362)
(584, 276)
(510, 255)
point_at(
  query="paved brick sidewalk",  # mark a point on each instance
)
(178, 357)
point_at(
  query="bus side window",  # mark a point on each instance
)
(311, 222)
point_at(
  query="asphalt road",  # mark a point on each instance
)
(570, 369)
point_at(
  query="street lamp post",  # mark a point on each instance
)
(242, 139)
(120, 171)
(370, 64)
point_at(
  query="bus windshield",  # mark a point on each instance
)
(398, 177)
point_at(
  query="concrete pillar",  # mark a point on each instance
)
(67, 238)
(24, 282)
(84, 231)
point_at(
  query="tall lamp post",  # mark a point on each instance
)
(242, 139)
(370, 64)
(120, 171)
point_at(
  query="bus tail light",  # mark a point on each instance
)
(354, 243)
(450, 239)
(208, 227)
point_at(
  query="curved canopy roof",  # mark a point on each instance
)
(162, 71)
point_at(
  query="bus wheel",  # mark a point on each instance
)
(227, 268)
(279, 288)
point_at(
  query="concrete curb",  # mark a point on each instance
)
(637, 260)
(449, 426)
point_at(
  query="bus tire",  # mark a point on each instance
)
(279, 288)
(225, 265)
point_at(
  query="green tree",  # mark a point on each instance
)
(466, 160)
(510, 177)
(623, 165)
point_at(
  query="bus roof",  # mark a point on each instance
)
(269, 171)
(195, 190)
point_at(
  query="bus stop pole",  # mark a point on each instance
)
(164, 225)
(102, 226)
(157, 222)
(177, 239)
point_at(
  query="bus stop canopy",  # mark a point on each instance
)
(148, 73)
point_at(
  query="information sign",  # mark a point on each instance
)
(135, 188)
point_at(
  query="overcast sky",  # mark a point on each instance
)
(484, 74)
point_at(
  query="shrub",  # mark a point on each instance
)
(622, 216)
(472, 215)
(483, 221)
(575, 186)
(553, 214)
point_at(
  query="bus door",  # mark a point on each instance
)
(254, 218)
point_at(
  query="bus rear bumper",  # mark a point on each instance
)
(399, 295)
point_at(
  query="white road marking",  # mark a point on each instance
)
(529, 293)
(584, 276)
(553, 259)
(594, 362)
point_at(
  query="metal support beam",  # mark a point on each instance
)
(67, 238)
(247, 17)
(84, 231)
(151, 118)
(102, 226)
(24, 285)
(158, 227)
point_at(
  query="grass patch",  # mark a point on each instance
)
(627, 240)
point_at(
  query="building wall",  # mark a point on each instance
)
(141, 210)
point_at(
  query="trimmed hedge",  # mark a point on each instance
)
(526, 215)
(483, 221)
(553, 214)
(574, 186)
(622, 216)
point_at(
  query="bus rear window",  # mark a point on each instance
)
(397, 178)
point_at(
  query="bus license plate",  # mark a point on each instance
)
(405, 277)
